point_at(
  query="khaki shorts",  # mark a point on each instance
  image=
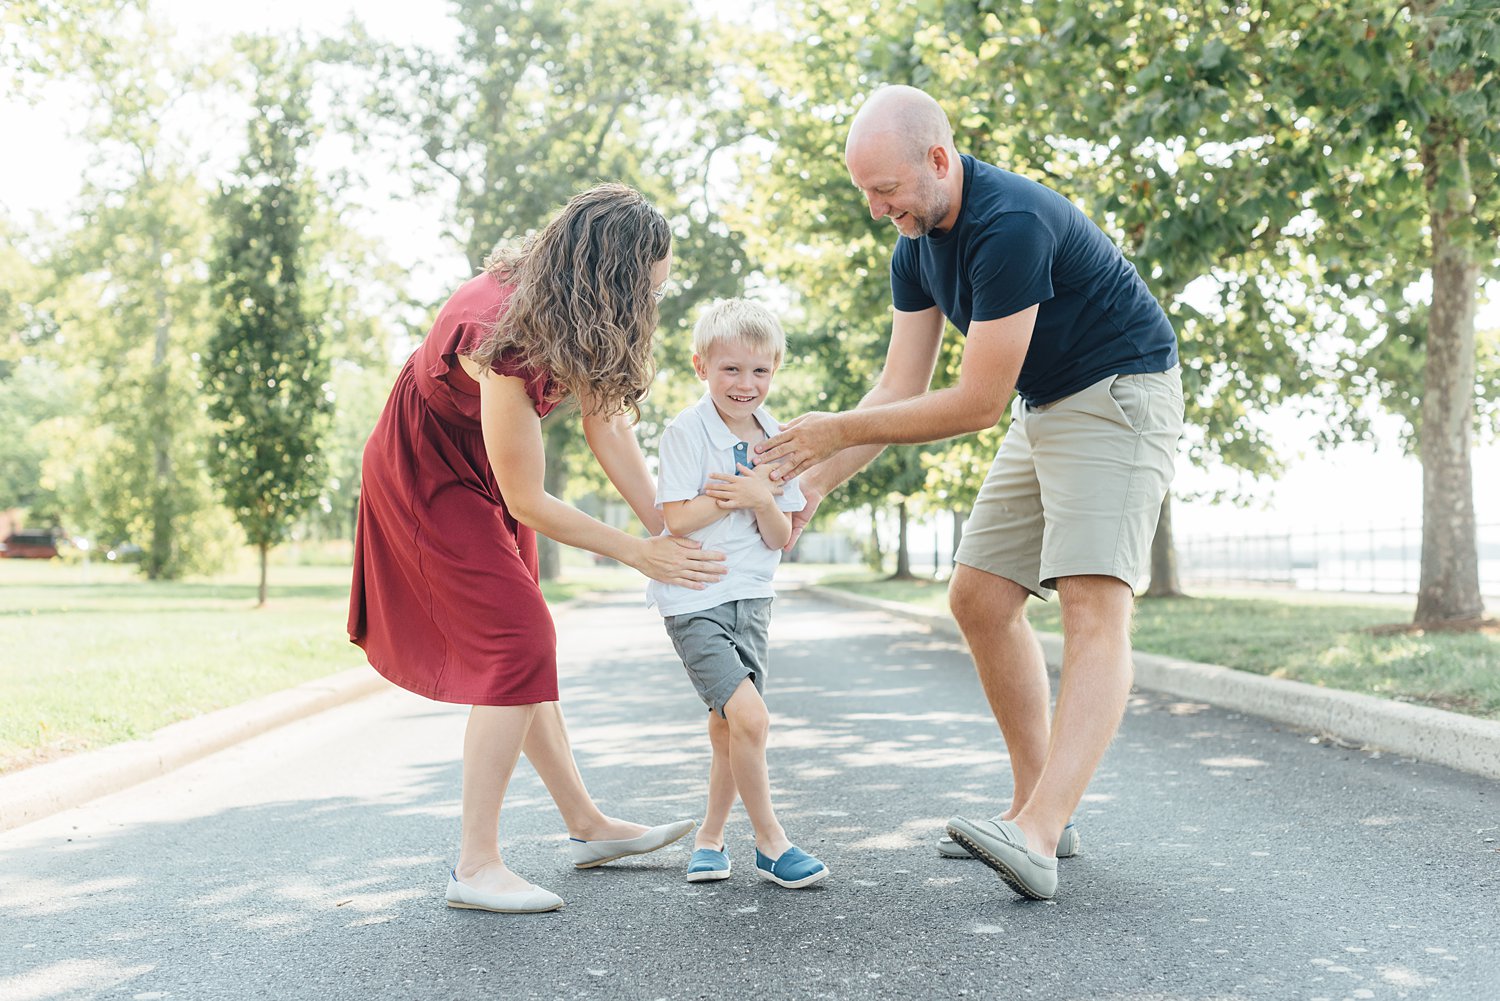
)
(1077, 485)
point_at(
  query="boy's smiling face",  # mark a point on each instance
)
(738, 376)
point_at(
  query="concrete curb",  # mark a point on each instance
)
(42, 790)
(1443, 738)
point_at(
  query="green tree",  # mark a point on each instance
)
(807, 226)
(33, 388)
(266, 371)
(128, 298)
(1262, 164)
(1140, 113)
(1397, 114)
(544, 100)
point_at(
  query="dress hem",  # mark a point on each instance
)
(533, 697)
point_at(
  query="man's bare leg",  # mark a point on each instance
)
(1096, 677)
(991, 611)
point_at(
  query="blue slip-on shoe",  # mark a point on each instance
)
(707, 865)
(794, 869)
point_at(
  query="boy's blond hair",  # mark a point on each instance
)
(738, 320)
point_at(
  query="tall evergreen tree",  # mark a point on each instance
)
(265, 369)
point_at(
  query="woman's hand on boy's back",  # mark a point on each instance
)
(683, 562)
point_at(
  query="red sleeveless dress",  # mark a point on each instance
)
(445, 600)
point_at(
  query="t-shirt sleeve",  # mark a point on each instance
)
(907, 293)
(1010, 267)
(791, 499)
(683, 457)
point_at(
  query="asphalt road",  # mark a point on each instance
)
(1225, 858)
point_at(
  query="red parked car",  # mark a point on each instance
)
(29, 545)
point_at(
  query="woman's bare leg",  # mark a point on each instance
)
(549, 752)
(492, 745)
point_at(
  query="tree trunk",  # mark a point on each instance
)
(1449, 586)
(876, 557)
(265, 551)
(554, 481)
(1164, 582)
(903, 557)
(159, 553)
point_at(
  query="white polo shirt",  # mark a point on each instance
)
(695, 444)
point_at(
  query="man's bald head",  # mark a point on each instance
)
(902, 119)
(900, 155)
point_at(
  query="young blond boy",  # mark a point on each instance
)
(708, 490)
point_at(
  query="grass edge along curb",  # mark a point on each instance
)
(1421, 732)
(42, 790)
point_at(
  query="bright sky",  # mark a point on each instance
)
(1353, 486)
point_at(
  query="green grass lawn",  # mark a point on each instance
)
(93, 654)
(1322, 641)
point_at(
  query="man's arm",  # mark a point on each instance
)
(910, 360)
(993, 353)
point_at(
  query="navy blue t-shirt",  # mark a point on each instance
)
(1016, 244)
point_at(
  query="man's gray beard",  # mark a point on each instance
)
(927, 221)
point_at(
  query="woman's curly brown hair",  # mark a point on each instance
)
(583, 307)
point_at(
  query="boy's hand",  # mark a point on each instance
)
(753, 489)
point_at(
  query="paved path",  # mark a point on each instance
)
(1225, 859)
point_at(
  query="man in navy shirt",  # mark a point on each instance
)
(1051, 310)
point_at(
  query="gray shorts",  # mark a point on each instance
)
(1078, 483)
(722, 646)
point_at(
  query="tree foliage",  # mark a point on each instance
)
(126, 296)
(1286, 176)
(544, 100)
(266, 371)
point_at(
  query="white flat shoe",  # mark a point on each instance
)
(1069, 845)
(532, 901)
(587, 854)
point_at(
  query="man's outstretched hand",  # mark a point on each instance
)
(802, 443)
(801, 518)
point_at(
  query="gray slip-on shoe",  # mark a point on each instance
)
(588, 854)
(1068, 845)
(1000, 845)
(532, 901)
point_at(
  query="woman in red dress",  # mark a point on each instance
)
(445, 599)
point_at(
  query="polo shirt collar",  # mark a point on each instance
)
(719, 434)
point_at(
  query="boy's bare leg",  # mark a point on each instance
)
(749, 726)
(721, 787)
(991, 611)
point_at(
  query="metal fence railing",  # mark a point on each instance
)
(1369, 560)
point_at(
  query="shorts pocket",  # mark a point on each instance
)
(1129, 398)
